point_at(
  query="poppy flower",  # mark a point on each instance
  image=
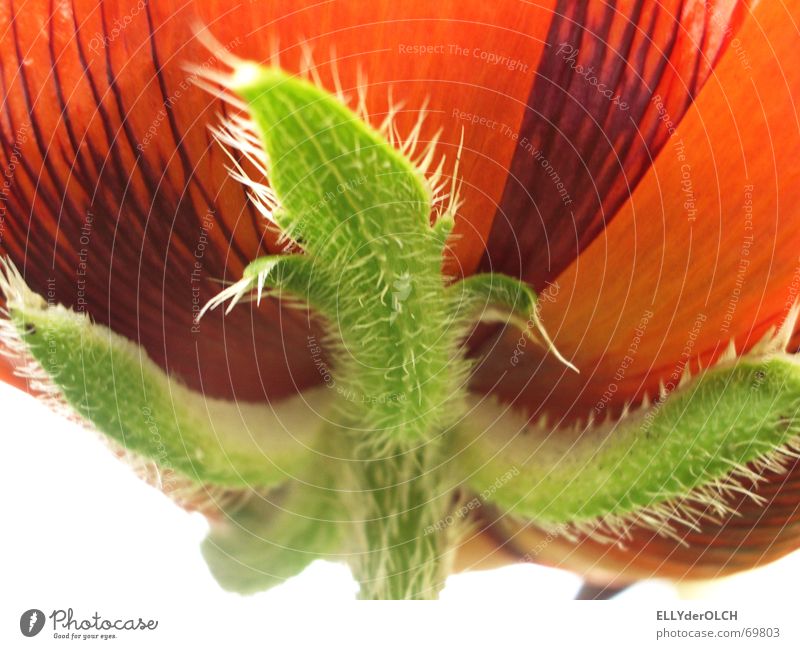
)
(632, 164)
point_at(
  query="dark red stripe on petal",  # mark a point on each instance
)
(590, 130)
(117, 186)
(662, 288)
(137, 238)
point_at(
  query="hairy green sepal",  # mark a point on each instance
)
(362, 212)
(695, 443)
(112, 383)
(274, 536)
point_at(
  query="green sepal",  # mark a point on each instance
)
(273, 537)
(493, 297)
(699, 440)
(112, 383)
(338, 181)
(290, 277)
(361, 211)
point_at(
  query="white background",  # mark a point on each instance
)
(80, 530)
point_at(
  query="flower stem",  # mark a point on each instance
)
(403, 499)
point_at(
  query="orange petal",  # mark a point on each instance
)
(591, 131)
(120, 199)
(694, 258)
(131, 226)
(690, 263)
(471, 64)
(8, 376)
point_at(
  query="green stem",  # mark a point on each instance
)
(403, 502)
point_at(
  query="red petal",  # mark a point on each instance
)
(591, 129)
(743, 130)
(7, 375)
(120, 232)
(674, 268)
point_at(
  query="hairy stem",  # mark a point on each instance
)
(401, 501)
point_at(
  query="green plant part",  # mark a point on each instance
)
(274, 536)
(362, 212)
(491, 297)
(402, 444)
(659, 466)
(112, 383)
